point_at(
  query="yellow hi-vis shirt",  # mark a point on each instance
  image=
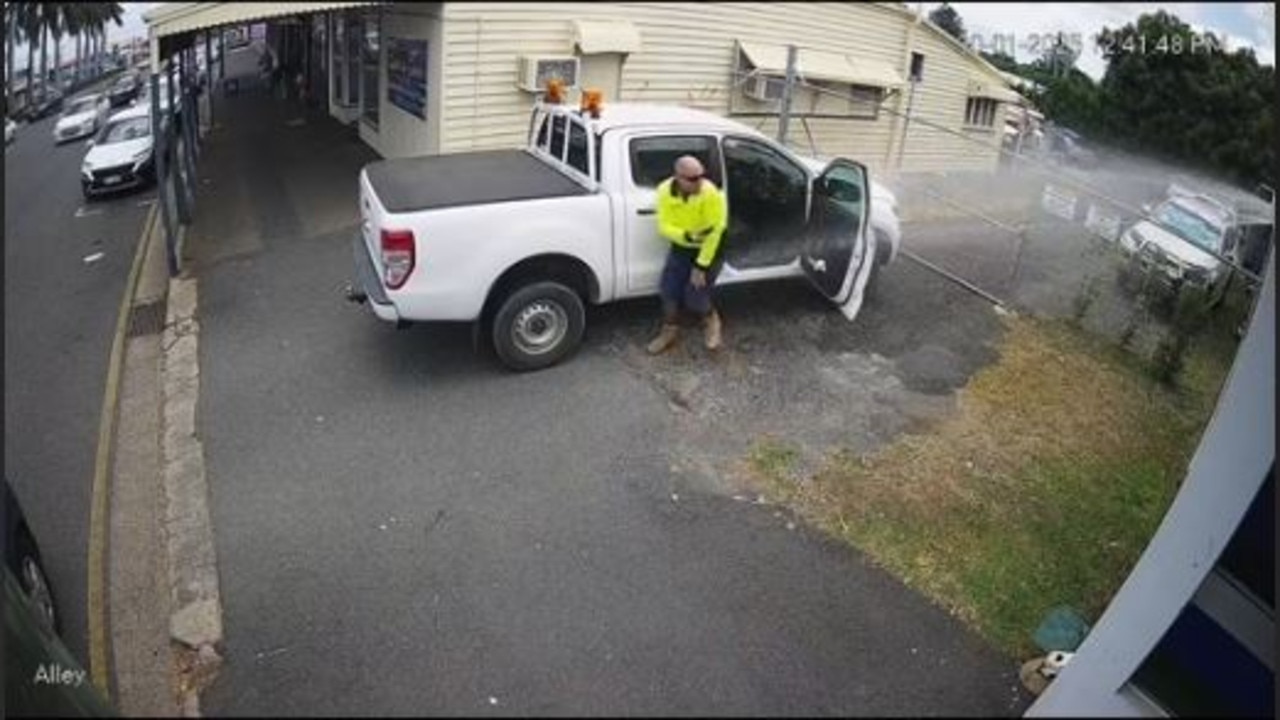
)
(678, 215)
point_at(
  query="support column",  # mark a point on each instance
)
(161, 160)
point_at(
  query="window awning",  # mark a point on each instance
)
(985, 88)
(822, 65)
(177, 18)
(606, 36)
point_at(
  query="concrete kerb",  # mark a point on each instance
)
(196, 623)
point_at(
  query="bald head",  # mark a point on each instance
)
(688, 174)
(688, 166)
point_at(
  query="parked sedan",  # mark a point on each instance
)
(121, 156)
(82, 116)
(44, 104)
(124, 90)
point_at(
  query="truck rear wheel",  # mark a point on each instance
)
(538, 325)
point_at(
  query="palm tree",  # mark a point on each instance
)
(76, 18)
(12, 36)
(27, 19)
(100, 13)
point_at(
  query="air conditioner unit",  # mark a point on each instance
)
(761, 87)
(535, 71)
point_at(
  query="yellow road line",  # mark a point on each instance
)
(99, 662)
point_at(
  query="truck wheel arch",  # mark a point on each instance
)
(566, 269)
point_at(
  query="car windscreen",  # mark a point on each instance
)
(124, 130)
(1189, 225)
(80, 106)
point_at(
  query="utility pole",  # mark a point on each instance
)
(906, 122)
(785, 117)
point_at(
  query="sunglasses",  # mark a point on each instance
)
(686, 178)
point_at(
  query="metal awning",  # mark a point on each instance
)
(177, 18)
(984, 87)
(822, 65)
(606, 36)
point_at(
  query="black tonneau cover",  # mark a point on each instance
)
(474, 178)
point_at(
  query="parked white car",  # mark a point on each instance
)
(10, 130)
(81, 116)
(121, 156)
(1182, 240)
(519, 241)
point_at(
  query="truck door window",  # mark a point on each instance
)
(653, 159)
(558, 137)
(577, 158)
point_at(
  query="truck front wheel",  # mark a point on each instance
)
(538, 325)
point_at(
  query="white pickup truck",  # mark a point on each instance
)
(518, 241)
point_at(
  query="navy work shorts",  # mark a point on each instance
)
(676, 289)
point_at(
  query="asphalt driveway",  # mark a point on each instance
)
(404, 528)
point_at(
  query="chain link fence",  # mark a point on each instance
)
(1145, 254)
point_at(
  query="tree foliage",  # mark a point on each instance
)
(1168, 92)
(946, 17)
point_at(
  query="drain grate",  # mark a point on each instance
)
(147, 319)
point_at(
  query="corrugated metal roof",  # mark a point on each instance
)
(177, 18)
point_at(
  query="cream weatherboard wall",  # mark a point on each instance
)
(688, 56)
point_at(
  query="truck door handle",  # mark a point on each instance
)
(645, 211)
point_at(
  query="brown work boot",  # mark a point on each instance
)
(665, 339)
(711, 330)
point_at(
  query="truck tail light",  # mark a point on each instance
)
(398, 257)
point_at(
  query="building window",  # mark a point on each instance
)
(835, 98)
(369, 64)
(980, 112)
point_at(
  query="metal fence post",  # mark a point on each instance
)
(784, 117)
(162, 169)
(184, 212)
(208, 74)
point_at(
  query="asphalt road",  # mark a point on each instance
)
(60, 315)
(402, 527)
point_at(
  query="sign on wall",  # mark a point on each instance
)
(407, 75)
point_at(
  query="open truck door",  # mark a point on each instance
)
(838, 250)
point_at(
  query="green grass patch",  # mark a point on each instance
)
(1043, 489)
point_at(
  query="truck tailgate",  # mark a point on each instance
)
(474, 178)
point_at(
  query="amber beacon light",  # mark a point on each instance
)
(592, 101)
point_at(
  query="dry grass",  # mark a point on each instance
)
(1042, 489)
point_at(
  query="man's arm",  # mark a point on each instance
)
(719, 219)
(666, 227)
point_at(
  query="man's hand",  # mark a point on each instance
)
(698, 278)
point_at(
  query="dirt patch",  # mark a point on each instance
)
(1042, 488)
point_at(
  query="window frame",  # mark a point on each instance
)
(804, 172)
(980, 113)
(582, 131)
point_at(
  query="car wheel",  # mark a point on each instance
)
(35, 582)
(538, 325)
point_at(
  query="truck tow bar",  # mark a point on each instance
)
(353, 295)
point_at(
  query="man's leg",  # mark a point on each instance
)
(699, 300)
(674, 277)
